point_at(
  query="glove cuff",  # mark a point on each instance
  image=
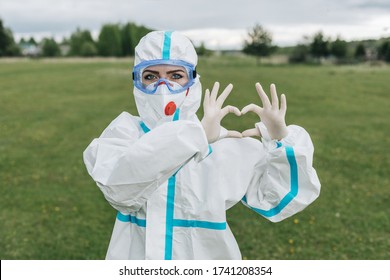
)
(263, 131)
(268, 142)
(223, 133)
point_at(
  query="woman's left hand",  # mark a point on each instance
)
(270, 114)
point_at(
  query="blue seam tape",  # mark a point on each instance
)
(169, 217)
(210, 150)
(290, 195)
(166, 52)
(132, 219)
(176, 115)
(199, 224)
(144, 127)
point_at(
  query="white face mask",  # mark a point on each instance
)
(163, 102)
(151, 107)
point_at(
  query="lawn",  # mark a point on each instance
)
(50, 110)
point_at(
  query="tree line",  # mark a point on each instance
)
(318, 47)
(120, 40)
(113, 40)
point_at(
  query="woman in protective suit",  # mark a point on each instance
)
(172, 177)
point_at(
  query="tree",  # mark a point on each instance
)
(88, 49)
(128, 36)
(319, 47)
(360, 52)
(50, 48)
(259, 43)
(202, 50)
(32, 41)
(384, 51)
(78, 40)
(338, 48)
(109, 43)
(8, 47)
(300, 54)
(141, 31)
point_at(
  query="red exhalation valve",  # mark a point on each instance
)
(170, 108)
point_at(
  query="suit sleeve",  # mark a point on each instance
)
(285, 181)
(128, 166)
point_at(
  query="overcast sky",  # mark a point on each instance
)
(220, 24)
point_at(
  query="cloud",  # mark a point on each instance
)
(217, 38)
(25, 14)
(383, 5)
(217, 22)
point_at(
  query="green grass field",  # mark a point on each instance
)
(50, 110)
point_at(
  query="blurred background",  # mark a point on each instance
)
(65, 74)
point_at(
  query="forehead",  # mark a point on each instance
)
(161, 68)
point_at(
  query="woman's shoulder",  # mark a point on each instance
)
(125, 119)
(124, 123)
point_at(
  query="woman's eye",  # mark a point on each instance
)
(177, 76)
(149, 77)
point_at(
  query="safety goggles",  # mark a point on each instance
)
(179, 77)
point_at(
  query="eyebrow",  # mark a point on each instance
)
(168, 72)
(176, 70)
(151, 71)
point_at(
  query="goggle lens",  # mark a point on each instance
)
(177, 75)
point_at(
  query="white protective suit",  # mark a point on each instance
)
(172, 189)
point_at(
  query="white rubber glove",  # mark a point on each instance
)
(214, 113)
(272, 117)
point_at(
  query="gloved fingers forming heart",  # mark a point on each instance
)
(252, 132)
(270, 114)
(214, 113)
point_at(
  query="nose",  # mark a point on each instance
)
(164, 82)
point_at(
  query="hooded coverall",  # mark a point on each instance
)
(172, 188)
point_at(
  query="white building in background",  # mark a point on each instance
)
(29, 49)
